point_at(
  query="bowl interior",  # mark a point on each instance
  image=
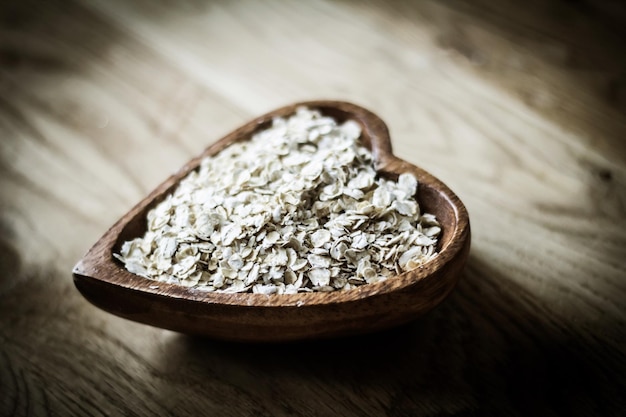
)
(434, 197)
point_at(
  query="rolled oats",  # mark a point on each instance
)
(297, 208)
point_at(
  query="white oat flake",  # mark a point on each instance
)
(297, 208)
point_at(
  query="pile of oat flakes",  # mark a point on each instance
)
(297, 208)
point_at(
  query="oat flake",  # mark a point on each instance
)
(298, 208)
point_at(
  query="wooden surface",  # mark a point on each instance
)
(517, 106)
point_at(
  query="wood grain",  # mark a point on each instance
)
(519, 108)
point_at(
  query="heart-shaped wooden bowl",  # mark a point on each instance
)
(104, 281)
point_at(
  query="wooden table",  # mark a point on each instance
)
(518, 106)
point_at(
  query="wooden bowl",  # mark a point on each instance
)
(104, 281)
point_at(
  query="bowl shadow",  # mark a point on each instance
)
(484, 350)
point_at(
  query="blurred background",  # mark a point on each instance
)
(518, 106)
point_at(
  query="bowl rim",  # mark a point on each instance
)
(100, 264)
